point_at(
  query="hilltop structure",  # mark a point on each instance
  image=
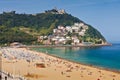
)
(56, 11)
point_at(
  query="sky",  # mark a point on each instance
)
(104, 15)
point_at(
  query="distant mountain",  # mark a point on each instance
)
(29, 26)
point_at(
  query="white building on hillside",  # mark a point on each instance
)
(69, 29)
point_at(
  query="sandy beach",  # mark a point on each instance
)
(34, 65)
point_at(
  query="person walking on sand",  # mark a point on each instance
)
(5, 77)
(0, 77)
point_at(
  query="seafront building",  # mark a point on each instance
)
(65, 35)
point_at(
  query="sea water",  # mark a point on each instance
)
(106, 56)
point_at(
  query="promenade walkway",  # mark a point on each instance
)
(5, 76)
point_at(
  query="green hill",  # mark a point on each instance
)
(25, 28)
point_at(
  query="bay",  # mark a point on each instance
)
(105, 57)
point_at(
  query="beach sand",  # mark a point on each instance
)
(53, 68)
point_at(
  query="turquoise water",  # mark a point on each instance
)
(106, 57)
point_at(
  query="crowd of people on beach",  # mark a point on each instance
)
(65, 67)
(14, 53)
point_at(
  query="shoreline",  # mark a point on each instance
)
(97, 67)
(54, 66)
(82, 45)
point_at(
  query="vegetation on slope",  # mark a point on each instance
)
(8, 35)
(13, 26)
